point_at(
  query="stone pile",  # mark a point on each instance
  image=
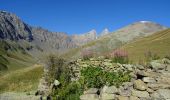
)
(151, 82)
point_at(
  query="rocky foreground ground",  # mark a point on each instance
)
(148, 82)
(151, 82)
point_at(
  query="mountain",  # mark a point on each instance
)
(85, 37)
(14, 29)
(11, 27)
(138, 29)
(104, 32)
(120, 37)
(26, 40)
(156, 44)
(20, 43)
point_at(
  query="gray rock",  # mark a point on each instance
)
(140, 67)
(157, 66)
(156, 96)
(133, 98)
(106, 96)
(165, 93)
(125, 92)
(166, 61)
(137, 93)
(150, 90)
(89, 97)
(110, 90)
(140, 85)
(156, 86)
(91, 91)
(123, 98)
(148, 74)
(149, 80)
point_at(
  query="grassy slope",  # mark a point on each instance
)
(14, 58)
(17, 72)
(100, 46)
(21, 80)
(158, 43)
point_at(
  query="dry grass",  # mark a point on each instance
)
(21, 80)
(158, 43)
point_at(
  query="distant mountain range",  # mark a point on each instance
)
(33, 40)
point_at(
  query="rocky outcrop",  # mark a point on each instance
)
(11, 27)
(150, 82)
(104, 32)
(14, 29)
(84, 38)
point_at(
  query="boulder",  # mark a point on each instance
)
(133, 98)
(127, 85)
(164, 80)
(166, 61)
(156, 86)
(106, 96)
(140, 85)
(125, 91)
(143, 94)
(150, 90)
(147, 74)
(110, 90)
(165, 93)
(89, 97)
(123, 98)
(140, 67)
(157, 66)
(149, 79)
(91, 91)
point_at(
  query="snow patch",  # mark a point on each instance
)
(144, 21)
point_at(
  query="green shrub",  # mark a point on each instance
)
(92, 77)
(71, 91)
(57, 69)
(95, 77)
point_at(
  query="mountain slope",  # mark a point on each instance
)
(118, 38)
(158, 43)
(85, 37)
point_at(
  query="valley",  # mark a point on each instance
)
(33, 60)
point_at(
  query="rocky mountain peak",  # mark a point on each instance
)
(85, 37)
(138, 29)
(11, 27)
(104, 32)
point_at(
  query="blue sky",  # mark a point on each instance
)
(80, 16)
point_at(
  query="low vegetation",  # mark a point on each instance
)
(91, 77)
(95, 77)
(21, 80)
(157, 44)
(120, 56)
(58, 70)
